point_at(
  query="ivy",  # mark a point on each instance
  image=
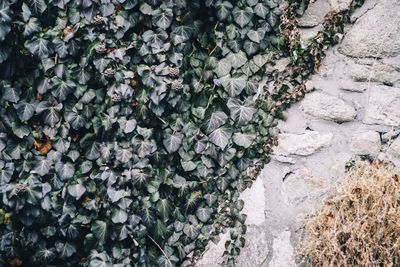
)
(129, 127)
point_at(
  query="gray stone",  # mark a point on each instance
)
(284, 159)
(366, 143)
(382, 73)
(339, 5)
(308, 33)
(283, 252)
(314, 14)
(252, 255)
(213, 255)
(302, 144)
(383, 106)
(351, 86)
(301, 186)
(376, 34)
(254, 203)
(256, 250)
(390, 135)
(328, 107)
(393, 152)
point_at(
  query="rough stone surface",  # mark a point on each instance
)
(302, 144)
(382, 73)
(254, 203)
(283, 251)
(328, 107)
(314, 14)
(376, 34)
(348, 85)
(383, 106)
(339, 5)
(363, 94)
(366, 143)
(393, 153)
(300, 186)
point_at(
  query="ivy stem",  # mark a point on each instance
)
(163, 252)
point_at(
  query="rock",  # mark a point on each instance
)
(383, 106)
(308, 33)
(301, 186)
(376, 34)
(302, 144)
(283, 252)
(390, 135)
(366, 143)
(328, 107)
(339, 5)
(314, 14)
(381, 73)
(253, 254)
(256, 250)
(393, 152)
(254, 203)
(284, 159)
(213, 255)
(351, 86)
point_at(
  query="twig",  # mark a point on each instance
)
(163, 252)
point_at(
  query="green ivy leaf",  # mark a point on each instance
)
(241, 113)
(204, 214)
(221, 136)
(172, 142)
(242, 16)
(76, 190)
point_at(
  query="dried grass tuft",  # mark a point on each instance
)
(359, 225)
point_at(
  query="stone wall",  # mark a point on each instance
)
(352, 108)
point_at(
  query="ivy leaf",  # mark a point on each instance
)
(99, 229)
(38, 6)
(221, 136)
(123, 155)
(162, 19)
(214, 121)
(191, 231)
(250, 47)
(38, 46)
(64, 170)
(181, 34)
(242, 114)
(11, 94)
(119, 216)
(172, 142)
(107, 9)
(237, 59)
(224, 9)
(233, 85)
(204, 214)
(155, 39)
(61, 47)
(32, 26)
(261, 10)
(242, 16)
(42, 166)
(164, 207)
(243, 139)
(65, 249)
(272, 18)
(223, 68)
(256, 36)
(24, 110)
(76, 190)
(20, 130)
(93, 151)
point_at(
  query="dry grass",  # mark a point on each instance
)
(359, 225)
